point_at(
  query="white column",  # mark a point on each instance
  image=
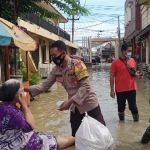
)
(87, 49)
(40, 53)
(90, 48)
(47, 51)
(68, 50)
(84, 45)
(147, 50)
(116, 49)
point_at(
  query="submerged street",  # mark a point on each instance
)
(127, 134)
(65, 38)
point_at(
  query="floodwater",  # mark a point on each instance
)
(127, 134)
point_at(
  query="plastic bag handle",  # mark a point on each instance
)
(86, 114)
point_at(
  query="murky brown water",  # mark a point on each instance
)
(127, 134)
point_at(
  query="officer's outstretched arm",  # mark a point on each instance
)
(44, 86)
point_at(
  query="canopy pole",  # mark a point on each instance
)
(7, 64)
(27, 65)
(15, 60)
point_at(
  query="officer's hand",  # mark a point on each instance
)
(112, 94)
(65, 105)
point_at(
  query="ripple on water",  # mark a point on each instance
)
(53, 123)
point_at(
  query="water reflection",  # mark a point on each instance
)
(127, 134)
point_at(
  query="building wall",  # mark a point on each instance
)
(129, 17)
(50, 8)
(145, 15)
(44, 38)
(138, 18)
(145, 21)
(132, 17)
(38, 31)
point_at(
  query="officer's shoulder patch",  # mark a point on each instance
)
(79, 65)
(80, 70)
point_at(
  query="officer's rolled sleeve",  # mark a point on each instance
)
(44, 86)
(83, 91)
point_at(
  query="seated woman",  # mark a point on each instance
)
(16, 125)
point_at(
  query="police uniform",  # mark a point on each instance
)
(75, 79)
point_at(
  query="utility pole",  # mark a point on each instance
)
(110, 48)
(84, 46)
(73, 28)
(110, 45)
(73, 19)
(118, 34)
(90, 47)
(98, 34)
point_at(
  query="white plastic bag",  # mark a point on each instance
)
(92, 135)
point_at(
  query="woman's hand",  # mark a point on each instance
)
(27, 114)
(22, 98)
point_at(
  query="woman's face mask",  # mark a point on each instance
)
(58, 60)
(129, 54)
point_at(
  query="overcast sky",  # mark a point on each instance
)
(103, 17)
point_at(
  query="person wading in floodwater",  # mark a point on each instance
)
(124, 82)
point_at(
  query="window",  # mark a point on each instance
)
(128, 14)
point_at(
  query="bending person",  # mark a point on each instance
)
(74, 77)
(16, 125)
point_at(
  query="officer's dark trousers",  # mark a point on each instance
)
(76, 118)
(130, 96)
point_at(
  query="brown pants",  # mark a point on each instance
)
(76, 118)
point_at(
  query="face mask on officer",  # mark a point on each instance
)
(58, 60)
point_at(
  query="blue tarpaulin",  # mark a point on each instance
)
(5, 37)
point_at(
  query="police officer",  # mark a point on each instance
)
(73, 75)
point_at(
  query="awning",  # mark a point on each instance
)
(141, 2)
(9, 33)
(144, 32)
(5, 37)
